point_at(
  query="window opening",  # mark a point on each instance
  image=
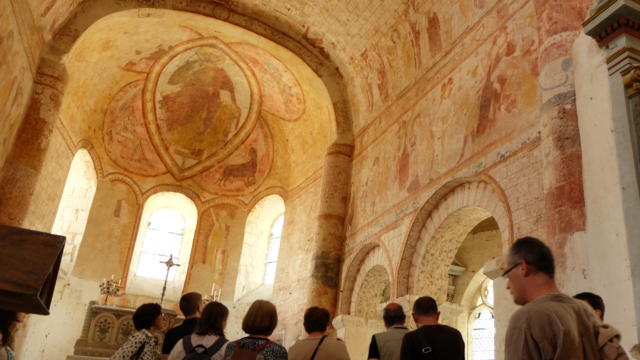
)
(273, 250)
(483, 329)
(162, 238)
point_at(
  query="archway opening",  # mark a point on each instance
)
(374, 290)
(472, 294)
(73, 209)
(167, 227)
(260, 250)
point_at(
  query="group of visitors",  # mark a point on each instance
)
(201, 335)
(549, 325)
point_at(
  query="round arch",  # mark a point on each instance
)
(370, 255)
(452, 211)
(51, 71)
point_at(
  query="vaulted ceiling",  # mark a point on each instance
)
(380, 47)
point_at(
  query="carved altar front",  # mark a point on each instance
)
(107, 327)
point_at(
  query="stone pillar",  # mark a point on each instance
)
(356, 333)
(615, 25)
(19, 176)
(558, 25)
(330, 235)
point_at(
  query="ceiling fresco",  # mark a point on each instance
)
(199, 101)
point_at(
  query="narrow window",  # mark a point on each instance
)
(482, 323)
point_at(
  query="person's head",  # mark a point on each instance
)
(425, 311)
(595, 301)
(8, 322)
(528, 264)
(213, 319)
(190, 304)
(316, 319)
(393, 314)
(260, 319)
(148, 316)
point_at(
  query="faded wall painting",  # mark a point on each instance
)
(200, 102)
(15, 81)
(492, 95)
(414, 41)
(282, 95)
(125, 136)
(197, 113)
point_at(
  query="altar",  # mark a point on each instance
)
(107, 327)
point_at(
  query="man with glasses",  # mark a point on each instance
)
(549, 325)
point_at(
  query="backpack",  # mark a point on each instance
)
(200, 352)
(247, 354)
(609, 347)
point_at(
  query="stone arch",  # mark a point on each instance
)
(369, 256)
(88, 12)
(256, 248)
(457, 206)
(193, 196)
(373, 288)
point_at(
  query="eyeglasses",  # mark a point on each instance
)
(506, 272)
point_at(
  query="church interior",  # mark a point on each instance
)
(343, 154)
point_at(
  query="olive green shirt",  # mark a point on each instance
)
(553, 327)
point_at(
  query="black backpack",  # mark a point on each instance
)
(200, 352)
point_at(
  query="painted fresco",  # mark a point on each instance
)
(15, 78)
(202, 100)
(196, 102)
(281, 92)
(491, 96)
(125, 137)
(415, 41)
(195, 112)
(245, 169)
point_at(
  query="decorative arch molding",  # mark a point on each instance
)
(219, 201)
(173, 188)
(370, 255)
(470, 200)
(97, 165)
(260, 23)
(124, 179)
(272, 190)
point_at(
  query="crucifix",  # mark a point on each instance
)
(169, 263)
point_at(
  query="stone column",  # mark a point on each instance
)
(558, 26)
(615, 25)
(19, 176)
(330, 235)
(356, 333)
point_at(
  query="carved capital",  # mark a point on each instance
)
(615, 25)
(631, 78)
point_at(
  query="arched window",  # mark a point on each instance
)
(162, 239)
(273, 251)
(167, 227)
(482, 324)
(261, 245)
(73, 209)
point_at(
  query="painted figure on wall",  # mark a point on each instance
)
(243, 170)
(125, 137)
(416, 22)
(433, 32)
(376, 76)
(509, 85)
(198, 106)
(282, 95)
